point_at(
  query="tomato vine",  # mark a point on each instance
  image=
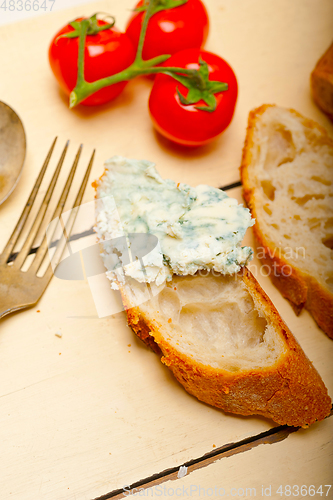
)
(196, 81)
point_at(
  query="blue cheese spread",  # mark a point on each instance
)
(197, 228)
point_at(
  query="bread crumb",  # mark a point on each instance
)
(59, 353)
(226, 390)
(169, 320)
(128, 345)
(214, 445)
(58, 334)
(38, 311)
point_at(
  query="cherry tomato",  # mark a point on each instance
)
(171, 30)
(106, 53)
(185, 124)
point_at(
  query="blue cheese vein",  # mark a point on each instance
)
(197, 228)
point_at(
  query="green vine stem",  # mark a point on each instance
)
(146, 17)
(192, 79)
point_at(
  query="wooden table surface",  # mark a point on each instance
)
(85, 414)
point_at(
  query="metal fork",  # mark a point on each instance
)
(18, 289)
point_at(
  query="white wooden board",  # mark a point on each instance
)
(86, 413)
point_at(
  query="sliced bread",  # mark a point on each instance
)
(322, 82)
(214, 326)
(287, 176)
(225, 342)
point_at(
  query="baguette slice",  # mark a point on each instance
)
(226, 344)
(287, 176)
(322, 83)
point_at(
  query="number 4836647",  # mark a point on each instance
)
(27, 5)
(303, 491)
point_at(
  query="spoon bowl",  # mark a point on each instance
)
(12, 150)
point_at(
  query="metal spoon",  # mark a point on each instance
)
(12, 150)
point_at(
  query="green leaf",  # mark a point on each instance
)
(210, 100)
(193, 96)
(161, 5)
(204, 71)
(75, 24)
(182, 99)
(215, 86)
(71, 34)
(93, 27)
(199, 86)
(184, 80)
(142, 7)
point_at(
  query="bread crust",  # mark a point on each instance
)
(300, 288)
(289, 392)
(322, 83)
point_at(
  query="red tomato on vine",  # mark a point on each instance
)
(171, 30)
(106, 53)
(185, 123)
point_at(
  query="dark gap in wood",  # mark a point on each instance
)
(74, 237)
(231, 186)
(274, 435)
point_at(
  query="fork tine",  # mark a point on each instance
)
(84, 182)
(57, 212)
(69, 226)
(20, 224)
(22, 254)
